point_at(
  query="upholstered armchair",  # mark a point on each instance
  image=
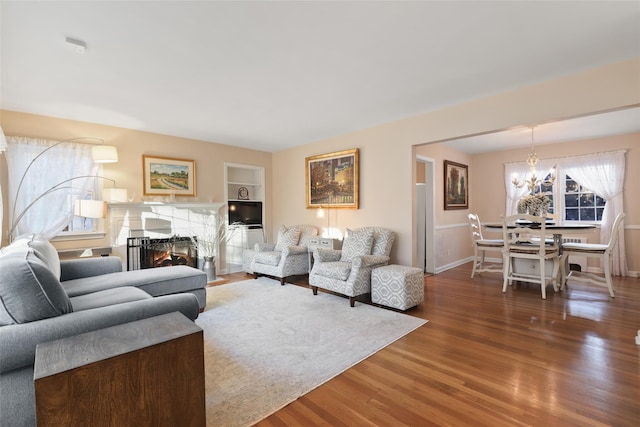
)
(289, 256)
(348, 271)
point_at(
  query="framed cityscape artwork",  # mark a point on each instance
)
(332, 180)
(165, 176)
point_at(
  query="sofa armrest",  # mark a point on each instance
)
(371, 261)
(88, 267)
(327, 255)
(19, 342)
(294, 250)
(264, 247)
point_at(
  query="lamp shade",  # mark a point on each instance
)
(104, 154)
(117, 195)
(90, 209)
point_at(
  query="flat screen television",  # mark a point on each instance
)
(245, 213)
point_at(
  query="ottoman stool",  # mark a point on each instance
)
(397, 286)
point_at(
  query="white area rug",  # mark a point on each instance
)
(266, 345)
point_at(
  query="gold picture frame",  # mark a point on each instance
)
(456, 185)
(333, 180)
(167, 176)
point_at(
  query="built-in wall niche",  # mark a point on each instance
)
(244, 182)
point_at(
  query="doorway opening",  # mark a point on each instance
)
(425, 213)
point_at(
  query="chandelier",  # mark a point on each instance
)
(533, 182)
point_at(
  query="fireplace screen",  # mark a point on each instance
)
(145, 252)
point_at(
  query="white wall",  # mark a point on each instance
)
(387, 166)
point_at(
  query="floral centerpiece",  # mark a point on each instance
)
(534, 204)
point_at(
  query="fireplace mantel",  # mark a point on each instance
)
(159, 220)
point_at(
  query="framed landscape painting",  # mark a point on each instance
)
(167, 176)
(332, 180)
(456, 185)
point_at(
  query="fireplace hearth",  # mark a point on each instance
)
(146, 252)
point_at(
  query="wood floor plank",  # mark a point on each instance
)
(492, 358)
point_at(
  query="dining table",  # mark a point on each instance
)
(557, 230)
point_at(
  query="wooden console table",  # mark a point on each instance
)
(144, 373)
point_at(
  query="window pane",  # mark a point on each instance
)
(577, 196)
(571, 214)
(587, 214)
(587, 200)
(571, 200)
(571, 185)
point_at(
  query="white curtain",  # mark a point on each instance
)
(3, 148)
(522, 172)
(51, 213)
(603, 173)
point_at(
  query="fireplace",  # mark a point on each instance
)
(146, 252)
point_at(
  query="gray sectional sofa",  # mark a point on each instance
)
(43, 299)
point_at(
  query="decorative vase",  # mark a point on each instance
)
(209, 267)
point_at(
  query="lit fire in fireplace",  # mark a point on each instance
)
(145, 252)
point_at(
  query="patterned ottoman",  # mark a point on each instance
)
(397, 286)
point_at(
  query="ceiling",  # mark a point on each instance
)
(272, 75)
(599, 125)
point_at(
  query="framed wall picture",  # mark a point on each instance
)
(456, 185)
(168, 176)
(332, 180)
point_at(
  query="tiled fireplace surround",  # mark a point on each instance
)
(158, 221)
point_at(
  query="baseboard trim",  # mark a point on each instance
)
(453, 265)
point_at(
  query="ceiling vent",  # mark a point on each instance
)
(76, 45)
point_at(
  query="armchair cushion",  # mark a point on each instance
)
(335, 270)
(287, 237)
(295, 250)
(268, 258)
(382, 242)
(264, 247)
(371, 261)
(357, 243)
(306, 233)
(327, 255)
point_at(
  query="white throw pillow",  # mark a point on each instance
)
(287, 237)
(357, 243)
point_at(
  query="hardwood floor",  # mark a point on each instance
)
(488, 358)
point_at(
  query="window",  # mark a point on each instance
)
(578, 179)
(580, 203)
(575, 202)
(45, 177)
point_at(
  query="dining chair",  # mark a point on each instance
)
(592, 250)
(481, 246)
(524, 238)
